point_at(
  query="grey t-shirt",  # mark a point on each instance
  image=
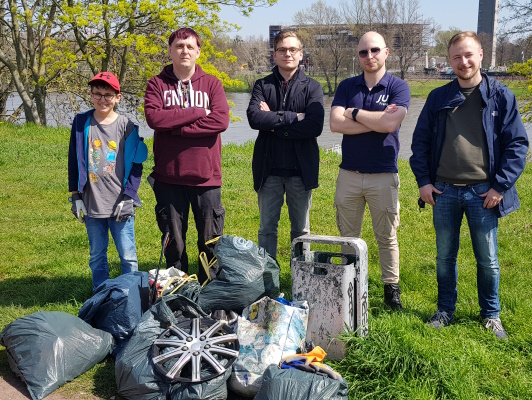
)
(464, 157)
(106, 166)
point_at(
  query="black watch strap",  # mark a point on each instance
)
(354, 114)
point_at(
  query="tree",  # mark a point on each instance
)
(253, 55)
(331, 49)
(518, 17)
(6, 83)
(407, 33)
(508, 52)
(362, 15)
(253, 51)
(28, 29)
(525, 70)
(442, 40)
(65, 42)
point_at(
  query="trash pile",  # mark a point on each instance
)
(237, 334)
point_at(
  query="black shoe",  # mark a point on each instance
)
(392, 296)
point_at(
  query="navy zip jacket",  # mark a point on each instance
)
(505, 133)
(135, 153)
(304, 95)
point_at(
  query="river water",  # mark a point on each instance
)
(240, 132)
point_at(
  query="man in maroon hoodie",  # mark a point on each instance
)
(188, 110)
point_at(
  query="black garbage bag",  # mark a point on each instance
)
(117, 306)
(48, 349)
(214, 389)
(300, 385)
(135, 373)
(246, 274)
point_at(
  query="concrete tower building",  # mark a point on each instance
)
(488, 15)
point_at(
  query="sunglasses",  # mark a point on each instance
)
(374, 51)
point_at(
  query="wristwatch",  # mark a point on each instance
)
(354, 114)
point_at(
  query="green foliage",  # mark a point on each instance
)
(442, 40)
(44, 255)
(75, 39)
(524, 69)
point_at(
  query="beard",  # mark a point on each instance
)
(469, 74)
(372, 66)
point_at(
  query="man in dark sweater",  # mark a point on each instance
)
(287, 109)
(188, 110)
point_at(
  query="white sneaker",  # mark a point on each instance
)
(495, 325)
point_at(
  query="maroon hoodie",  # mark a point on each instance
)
(187, 145)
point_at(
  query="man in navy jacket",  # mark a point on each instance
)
(287, 109)
(469, 147)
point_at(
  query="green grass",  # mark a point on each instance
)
(44, 257)
(419, 87)
(422, 87)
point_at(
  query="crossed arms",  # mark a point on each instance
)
(194, 122)
(386, 121)
(287, 124)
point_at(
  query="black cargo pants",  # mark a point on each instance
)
(172, 209)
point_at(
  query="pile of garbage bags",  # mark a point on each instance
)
(235, 334)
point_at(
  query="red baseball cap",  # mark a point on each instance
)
(108, 78)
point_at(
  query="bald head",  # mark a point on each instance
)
(371, 39)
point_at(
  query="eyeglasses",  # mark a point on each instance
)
(373, 51)
(107, 96)
(283, 50)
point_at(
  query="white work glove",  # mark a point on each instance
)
(125, 209)
(78, 207)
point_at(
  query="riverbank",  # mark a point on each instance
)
(420, 86)
(44, 266)
(239, 131)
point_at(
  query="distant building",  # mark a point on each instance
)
(351, 38)
(274, 30)
(486, 17)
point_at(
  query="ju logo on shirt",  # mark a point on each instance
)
(383, 99)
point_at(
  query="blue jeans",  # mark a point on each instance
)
(271, 199)
(447, 216)
(124, 237)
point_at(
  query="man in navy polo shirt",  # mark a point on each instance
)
(368, 110)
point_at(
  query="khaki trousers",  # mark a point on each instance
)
(381, 192)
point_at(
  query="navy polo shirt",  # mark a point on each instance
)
(371, 152)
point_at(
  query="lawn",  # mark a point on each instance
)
(44, 257)
(422, 87)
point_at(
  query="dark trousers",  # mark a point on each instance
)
(172, 209)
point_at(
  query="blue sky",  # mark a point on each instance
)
(460, 13)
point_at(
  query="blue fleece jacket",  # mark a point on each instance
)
(135, 153)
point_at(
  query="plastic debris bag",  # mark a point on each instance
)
(48, 349)
(117, 306)
(135, 373)
(246, 273)
(214, 389)
(268, 332)
(295, 384)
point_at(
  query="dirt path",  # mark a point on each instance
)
(12, 388)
